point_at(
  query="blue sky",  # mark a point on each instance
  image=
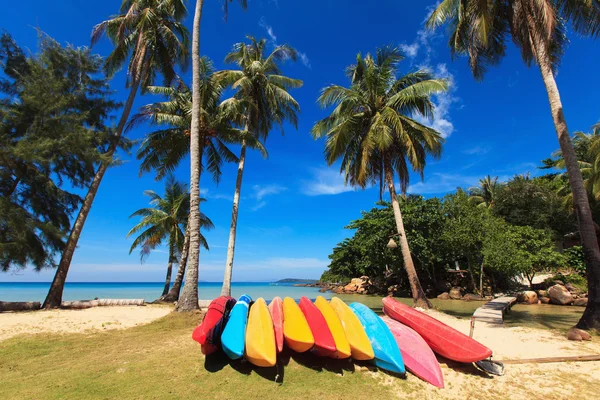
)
(294, 207)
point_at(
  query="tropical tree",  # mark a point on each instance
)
(373, 131)
(150, 35)
(261, 84)
(166, 221)
(485, 194)
(189, 300)
(480, 29)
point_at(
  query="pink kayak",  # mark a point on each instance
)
(417, 355)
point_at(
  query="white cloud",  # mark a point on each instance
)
(258, 206)
(326, 181)
(476, 150)
(304, 59)
(207, 194)
(410, 50)
(439, 183)
(263, 24)
(261, 191)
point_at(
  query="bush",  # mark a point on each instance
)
(574, 279)
(575, 259)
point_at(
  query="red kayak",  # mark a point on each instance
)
(276, 310)
(208, 333)
(324, 342)
(444, 340)
(416, 353)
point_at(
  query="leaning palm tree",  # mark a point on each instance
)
(261, 84)
(484, 194)
(149, 35)
(373, 131)
(189, 299)
(480, 29)
(166, 221)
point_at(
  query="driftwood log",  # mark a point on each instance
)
(81, 304)
(19, 305)
(593, 357)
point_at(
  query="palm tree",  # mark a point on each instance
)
(260, 83)
(165, 220)
(151, 32)
(480, 29)
(484, 195)
(372, 130)
(189, 300)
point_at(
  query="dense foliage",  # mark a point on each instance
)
(54, 107)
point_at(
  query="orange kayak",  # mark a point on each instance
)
(260, 338)
(276, 310)
(296, 331)
(360, 345)
(335, 327)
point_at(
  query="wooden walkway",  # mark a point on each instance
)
(493, 311)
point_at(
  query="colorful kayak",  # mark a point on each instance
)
(360, 345)
(335, 327)
(276, 310)
(296, 331)
(260, 337)
(387, 353)
(444, 340)
(416, 353)
(208, 333)
(234, 333)
(324, 342)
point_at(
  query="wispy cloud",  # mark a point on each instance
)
(326, 181)
(304, 59)
(261, 191)
(263, 24)
(476, 150)
(439, 183)
(204, 192)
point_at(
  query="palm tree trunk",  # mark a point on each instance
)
(419, 298)
(173, 294)
(169, 270)
(473, 284)
(589, 240)
(189, 296)
(54, 297)
(226, 290)
(481, 280)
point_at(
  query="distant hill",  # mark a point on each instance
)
(292, 280)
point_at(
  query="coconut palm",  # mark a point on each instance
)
(480, 29)
(166, 221)
(373, 132)
(189, 300)
(260, 83)
(149, 36)
(484, 195)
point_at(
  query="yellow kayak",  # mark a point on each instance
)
(335, 326)
(360, 345)
(260, 337)
(296, 331)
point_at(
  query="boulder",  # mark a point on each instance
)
(527, 297)
(455, 293)
(442, 285)
(581, 302)
(444, 296)
(472, 297)
(571, 288)
(560, 295)
(542, 293)
(544, 300)
(578, 334)
(392, 290)
(338, 290)
(557, 282)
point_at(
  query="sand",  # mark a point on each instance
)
(78, 321)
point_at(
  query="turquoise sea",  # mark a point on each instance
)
(36, 291)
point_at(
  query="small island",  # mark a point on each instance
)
(298, 281)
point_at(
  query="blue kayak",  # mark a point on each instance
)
(387, 352)
(232, 339)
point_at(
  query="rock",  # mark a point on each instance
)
(392, 290)
(571, 288)
(455, 293)
(578, 334)
(472, 297)
(542, 293)
(442, 285)
(557, 282)
(544, 300)
(581, 302)
(323, 289)
(338, 290)
(444, 296)
(560, 295)
(527, 297)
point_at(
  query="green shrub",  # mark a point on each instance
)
(575, 259)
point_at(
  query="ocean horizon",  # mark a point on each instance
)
(150, 291)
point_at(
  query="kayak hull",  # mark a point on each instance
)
(324, 342)
(208, 333)
(234, 333)
(342, 345)
(441, 338)
(416, 353)
(276, 310)
(260, 337)
(360, 345)
(296, 331)
(387, 352)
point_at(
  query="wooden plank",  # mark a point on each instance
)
(493, 311)
(594, 357)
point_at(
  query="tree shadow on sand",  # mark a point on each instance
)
(217, 361)
(463, 368)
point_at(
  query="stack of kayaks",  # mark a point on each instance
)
(258, 333)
